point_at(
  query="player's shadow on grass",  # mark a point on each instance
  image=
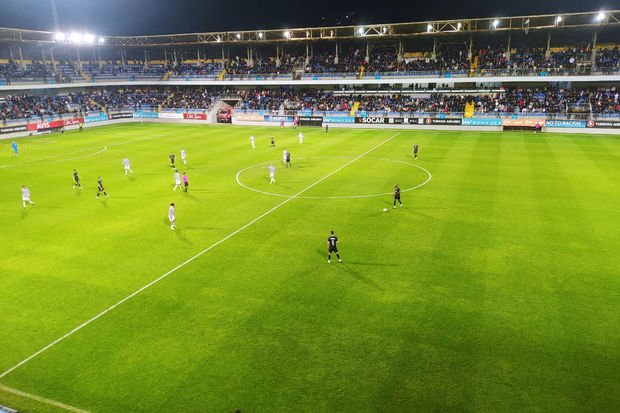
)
(103, 202)
(348, 267)
(190, 196)
(132, 178)
(24, 214)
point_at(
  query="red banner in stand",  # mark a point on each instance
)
(195, 116)
(54, 124)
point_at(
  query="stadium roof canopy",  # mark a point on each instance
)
(549, 22)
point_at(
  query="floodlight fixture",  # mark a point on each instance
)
(495, 23)
(260, 35)
(60, 37)
(360, 31)
(558, 20)
(429, 28)
(101, 40)
(238, 36)
(89, 38)
(459, 25)
(287, 34)
(601, 16)
(76, 37)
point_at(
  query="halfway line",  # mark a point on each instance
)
(184, 263)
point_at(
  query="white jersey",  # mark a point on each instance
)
(272, 170)
(182, 153)
(126, 163)
(177, 178)
(171, 213)
(284, 152)
(251, 139)
(25, 194)
(301, 137)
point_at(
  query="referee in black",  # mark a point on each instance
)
(332, 246)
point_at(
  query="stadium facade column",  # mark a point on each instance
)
(508, 47)
(78, 62)
(99, 62)
(250, 59)
(307, 54)
(367, 58)
(336, 58)
(198, 56)
(53, 60)
(594, 40)
(277, 56)
(471, 48)
(400, 56)
(434, 55)
(146, 59)
(548, 52)
(21, 58)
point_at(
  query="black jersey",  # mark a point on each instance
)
(333, 243)
(288, 157)
(171, 158)
(396, 192)
(415, 148)
(76, 178)
(100, 185)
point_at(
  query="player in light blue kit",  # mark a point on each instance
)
(15, 148)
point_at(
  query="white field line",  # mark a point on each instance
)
(54, 160)
(36, 162)
(42, 399)
(189, 260)
(428, 178)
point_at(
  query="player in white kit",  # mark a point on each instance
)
(284, 153)
(171, 216)
(177, 180)
(272, 174)
(252, 142)
(127, 165)
(183, 156)
(26, 196)
(301, 137)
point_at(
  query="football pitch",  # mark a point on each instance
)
(495, 288)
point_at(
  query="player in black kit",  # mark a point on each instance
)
(100, 188)
(171, 156)
(76, 178)
(415, 151)
(332, 246)
(397, 196)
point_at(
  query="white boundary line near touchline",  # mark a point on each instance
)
(43, 400)
(189, 260)
(429, 177)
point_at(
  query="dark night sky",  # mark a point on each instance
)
(134, 17)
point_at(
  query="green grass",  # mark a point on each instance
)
(495, 289)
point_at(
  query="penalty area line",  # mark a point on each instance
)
(189, 260)
(43, 400)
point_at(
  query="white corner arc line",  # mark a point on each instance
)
(189, 260)
(427, 180)
(43, 400)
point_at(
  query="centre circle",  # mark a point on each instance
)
(429, 176)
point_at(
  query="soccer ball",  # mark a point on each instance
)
(385, 210)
